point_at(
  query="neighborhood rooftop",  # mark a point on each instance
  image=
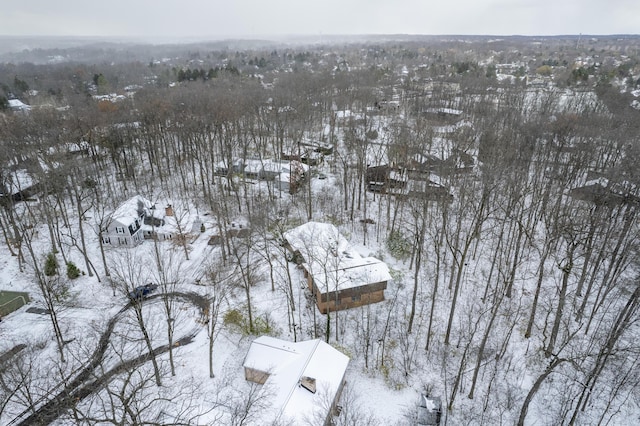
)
(287, 363)
(334, 263)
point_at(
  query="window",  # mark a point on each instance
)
(119, 230)
(355, 298)
(106, 240)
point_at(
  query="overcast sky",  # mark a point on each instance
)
(259, 18)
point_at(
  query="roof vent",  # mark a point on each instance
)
(309, 383)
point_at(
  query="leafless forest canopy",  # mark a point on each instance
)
(498, 178)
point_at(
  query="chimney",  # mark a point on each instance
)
(309, 383)
(140, 208)
(168, 211)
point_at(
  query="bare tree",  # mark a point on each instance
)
(128, 274)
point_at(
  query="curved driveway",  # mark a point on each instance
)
(80, 387)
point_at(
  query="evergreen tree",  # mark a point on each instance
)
(72, 271)
(51, 265)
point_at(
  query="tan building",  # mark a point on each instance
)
(302, 381)
(338, 277)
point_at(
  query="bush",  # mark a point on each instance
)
(51, 265)
(398, 245)
(261, 325)
(234, 318)
(72, 271)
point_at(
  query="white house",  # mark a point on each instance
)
(303, 381)
(125, 225)
(18, 105)
(138, 219)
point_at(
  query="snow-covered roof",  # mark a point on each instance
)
(17, 104)
(284, 166)
(111, 97)
(127, 212)
(286, 363)
(316, 240)
(353, 272)
(449, 111)
(331, 260)
(16, 181)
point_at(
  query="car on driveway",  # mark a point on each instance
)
(143, 291)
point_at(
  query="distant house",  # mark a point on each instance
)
(414, 182)
(429, 411)
(385, 105)
(337, 276)
(383, 178)
(288, 176)
(18, 106)
(319, 147)
(17, 185)
(305, 155)
(303, 380)
(601, 190)
(420, 166)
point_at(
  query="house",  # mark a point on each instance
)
(457, 161)
(125, 226)
(160, 224)
(417, 183)
(385, 105)
(383, 178)
(602, 190)
(429, 411)
(302, 381)
(17, 185)
(18, 106)
(319, 147)
(304, 155)
(288, 176)
(430, 187)
(138, 219)
(337, 276)
(223, 169)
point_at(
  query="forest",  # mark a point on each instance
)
(497, 179)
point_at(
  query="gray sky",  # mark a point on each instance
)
(259, 18)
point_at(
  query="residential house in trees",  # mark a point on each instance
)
(287, 176)
(138, 219)
(303, 381)
(17, 185)
(337, 276)
(18, 106)
(125, 225)
(429, 411)
(601, 189)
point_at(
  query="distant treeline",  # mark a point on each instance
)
(187, 74)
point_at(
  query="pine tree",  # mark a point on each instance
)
(51, 265)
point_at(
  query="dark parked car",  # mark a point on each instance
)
(143, 291)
